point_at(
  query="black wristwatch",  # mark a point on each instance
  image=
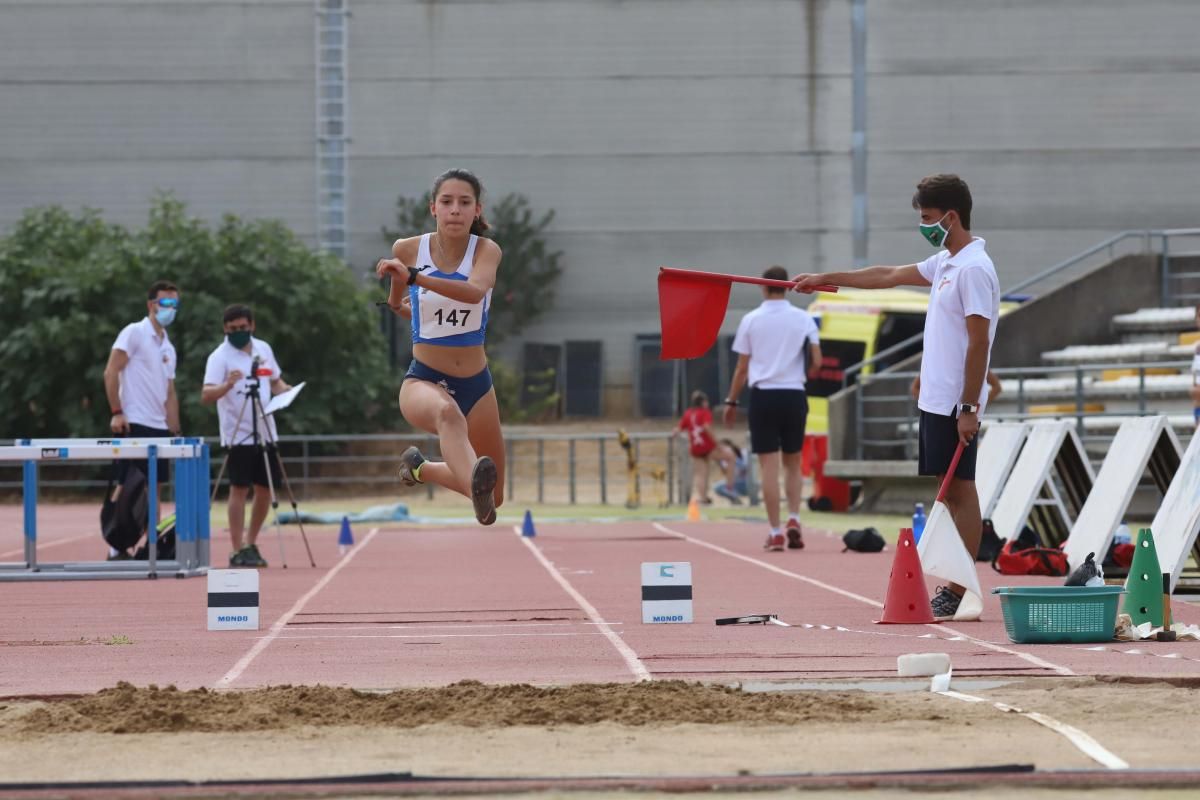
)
(413, 272)
(729, 402)
(968, 408)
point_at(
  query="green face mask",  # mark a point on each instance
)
(239, 339)
(935, 234)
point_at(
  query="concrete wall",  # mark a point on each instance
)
(105, 103)
(712, 134)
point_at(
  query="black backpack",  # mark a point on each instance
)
(123, 515)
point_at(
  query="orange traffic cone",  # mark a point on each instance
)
(693, 512)
(907, 600)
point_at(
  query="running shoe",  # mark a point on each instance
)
(253, 557)
(483, 489)
(728, 494)
(795, 541)
(944, 603)
(410, 461)
(775, 543)
(238, 559)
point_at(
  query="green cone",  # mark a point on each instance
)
(1143, 587)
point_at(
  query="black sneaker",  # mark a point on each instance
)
(120, 555)
(253, 557)
(944, 603)
(483, 490)
(238, 559)
(410, 461)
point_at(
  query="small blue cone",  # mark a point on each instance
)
(527, 527)
(345, 537)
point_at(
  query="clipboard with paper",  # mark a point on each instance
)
(282, 401)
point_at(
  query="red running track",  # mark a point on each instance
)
(412, 606)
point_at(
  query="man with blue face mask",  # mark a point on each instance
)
(964, 306)
(139, 379)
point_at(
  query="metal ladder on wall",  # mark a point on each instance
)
(332, 113)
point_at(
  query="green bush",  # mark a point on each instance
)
(69, 283)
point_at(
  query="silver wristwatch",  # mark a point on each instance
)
(968, 408)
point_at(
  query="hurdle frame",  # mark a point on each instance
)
(191, 456)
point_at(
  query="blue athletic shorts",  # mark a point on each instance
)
(465, 391)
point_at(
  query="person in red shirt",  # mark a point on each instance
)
(703, 446)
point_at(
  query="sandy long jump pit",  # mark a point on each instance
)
(647, 730)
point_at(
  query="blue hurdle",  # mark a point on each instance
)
(192, 470)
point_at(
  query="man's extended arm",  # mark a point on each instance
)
(867, 278)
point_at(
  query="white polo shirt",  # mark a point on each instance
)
(227, 358)
(964, 285)
(146, 378)
(776, 336)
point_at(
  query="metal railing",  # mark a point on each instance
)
(569, 468)
(906, 425)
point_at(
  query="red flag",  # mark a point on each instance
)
(691, 311)
(691, 308)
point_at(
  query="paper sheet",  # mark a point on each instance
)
(281, 401)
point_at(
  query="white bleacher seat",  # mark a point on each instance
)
(1106, 353)
(1127, 386)
(1157, 319)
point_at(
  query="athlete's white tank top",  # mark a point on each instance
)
(436, 319)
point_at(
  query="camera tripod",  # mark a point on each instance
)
(253, 399)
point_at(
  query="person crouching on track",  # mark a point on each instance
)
(226, 374)
(443, 283)
(703, 447)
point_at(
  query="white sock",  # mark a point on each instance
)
(112, 551)
(776, 531)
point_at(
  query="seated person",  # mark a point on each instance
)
(741, 485)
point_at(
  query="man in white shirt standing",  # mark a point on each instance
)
(778, 346)
(964, 305)
(242, 358)
(139, 380)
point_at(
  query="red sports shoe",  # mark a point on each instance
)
(794, 540)
(775, 543)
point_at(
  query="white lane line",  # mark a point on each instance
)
(439, 635)
(1032, 659)
(41, 544)
(631, 660)
(280, 623)
(1082, 741)
(310, 628)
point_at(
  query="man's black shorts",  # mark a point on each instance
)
(777, 419)
(939, 440)
(139, 431)
(246, 466)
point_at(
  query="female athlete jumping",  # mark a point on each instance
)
(443, 282)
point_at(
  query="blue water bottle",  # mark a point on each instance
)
(918, 522)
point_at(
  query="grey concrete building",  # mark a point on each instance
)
(711, 134)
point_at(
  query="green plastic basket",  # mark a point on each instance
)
(1046, 614)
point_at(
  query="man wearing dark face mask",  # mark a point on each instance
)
(226, 378)
(964, 305)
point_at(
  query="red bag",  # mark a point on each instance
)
(1121, 555)
(1016, 560)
